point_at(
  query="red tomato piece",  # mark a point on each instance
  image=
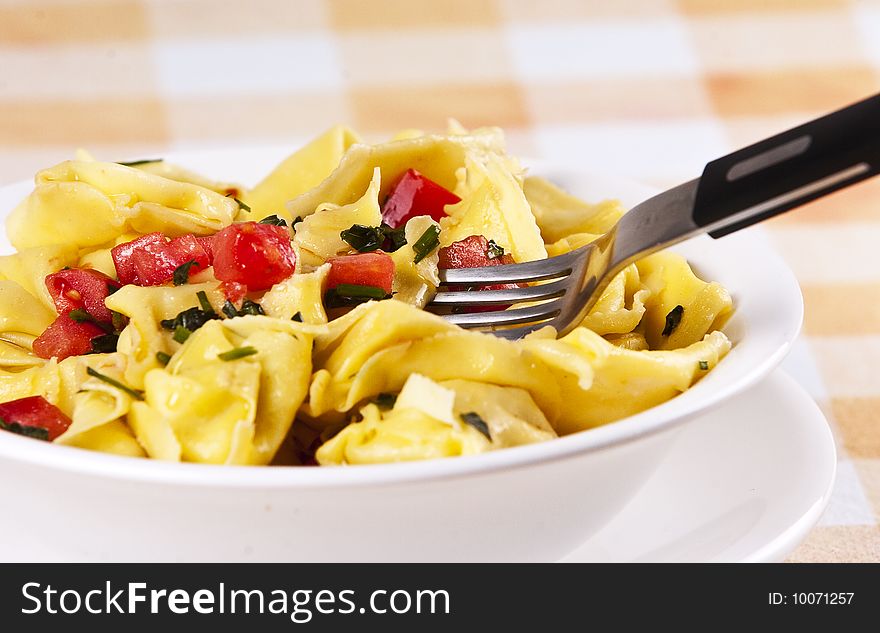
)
(82, 289)
(256, 255)
(151, 260)
(66, 337)
(207, 243)
(473, 252)
(365, 269)
(234, 291)
(415, 195)
(35, 411)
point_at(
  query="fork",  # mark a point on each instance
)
(750, 185)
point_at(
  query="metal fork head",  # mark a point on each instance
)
(562, 291)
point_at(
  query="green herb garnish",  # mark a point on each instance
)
(36, 432)
(351, 294)
(247, 307)
(118, 320)
(494, 251)
(429, 240)
(704, 365)
(81, 316)
(296, 220)
(394, 238)
(229, 309)
(181, 273)
(298, 317)
(242, 205)
(274, 220)
(135, 163)
(237, 352)
(105, 343)
(134, 393)
(203, 301)
(163, 358)
(477, 422)
(363, 238)
(672, 320)
(181, 334)
(385, 400)
(191, 319)
(112, 287)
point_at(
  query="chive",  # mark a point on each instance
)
(477, 422)
(145, 161)
(363, 238)
(181, 273)
(494, 251)
(237, 352)
(704, 365)
(298, 317)
(242, 205)
(105, 343)
(385, 400)
(353, 291)
(429, 240)
(134, 393)
(274, 220)
(81, 316)
(163, 358)
(181, 334)
(229, 309)
(203, 301)
(36, 432)
(672, 320)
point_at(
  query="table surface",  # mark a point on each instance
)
(643, 88)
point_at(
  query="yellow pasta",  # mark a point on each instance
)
(301, 335)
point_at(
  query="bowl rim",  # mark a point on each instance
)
(657, 419)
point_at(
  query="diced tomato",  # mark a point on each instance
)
(35, 411)
(256, 255)
(151, 260)
(234, 291)
(83, 289)
(365, 269)
(208, 244)
(473, 252)
(66, 337)
(415, 195)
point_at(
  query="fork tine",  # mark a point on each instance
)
(517, 316)
(512, 273)
(509, 295)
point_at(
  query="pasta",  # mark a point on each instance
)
(164, 315)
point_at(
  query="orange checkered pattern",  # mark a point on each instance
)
(649, 89)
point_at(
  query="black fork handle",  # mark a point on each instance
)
(789, 169)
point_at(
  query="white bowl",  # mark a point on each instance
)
(534, 502)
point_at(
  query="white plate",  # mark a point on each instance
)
(744, 483)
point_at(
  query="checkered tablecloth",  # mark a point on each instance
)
(644, 88)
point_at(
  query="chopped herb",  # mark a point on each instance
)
(135, 163)
(672, 320)
(134, 393)
(274, 220)
(237, 352)
(298, 317)
(105, 344)
(118, 320)
(229, 309)
(385, 400)
(36, 432)
(296, 220)
(477, 422)
(394, 238)
(363, 238)
(163, 358)
(181, 334)
(351, 294)
(429, 240)
(111, 288)
(704, 365)
(181, 273)
(191, 319)
(242, 205)
(203, 301)
(80, 316)
(494, 251)
(67, 268)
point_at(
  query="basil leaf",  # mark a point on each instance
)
(81, 316)
(191, 319)
(298, 317)
(274, 220)
(385, 400)
(363, 238)
(672, 320)
(181, 273)
(704, 365)
(36, 432)
(145, 161)
(494, 251)
(394, 238)
(105, 344)
(472, 418)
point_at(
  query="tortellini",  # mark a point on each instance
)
(296, 381)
